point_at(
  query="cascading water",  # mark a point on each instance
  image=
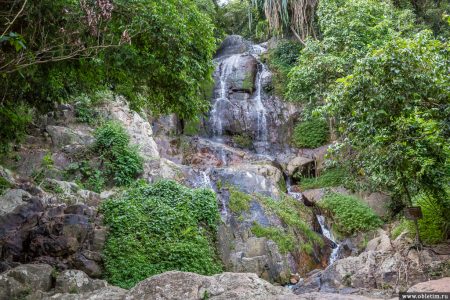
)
(259, 107)
(227, 67)
(328, 234)
(321, 220)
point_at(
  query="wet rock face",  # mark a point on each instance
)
(240, 102)
(233, 44)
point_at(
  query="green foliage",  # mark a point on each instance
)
(87, 175)
(156, 53)
(242, 140)
(239, 201)
(240, 17)
(349, 29)
(312, 133)
(47, 165)
(293, 215)
(329, 178)
(281, 60)
(403, 226)
(4, 185)
(393, 114)
(285, 242)
(14, 120)
(122, 162)
(85, 106)
(350, 214)
(435, 224)
(158, 228)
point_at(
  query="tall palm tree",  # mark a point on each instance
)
(296, 16)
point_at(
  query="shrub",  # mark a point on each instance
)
(158, 228)
(350, 214)
(311, 133)
(14, 120)
(281, 60)
(435, 224)
(122, 162)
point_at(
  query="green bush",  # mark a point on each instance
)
(121, 161)
(435, 224)
(329, 178)
(14, 120)
(311, 133)
(158, 228)
(350, 214)
(280, 61)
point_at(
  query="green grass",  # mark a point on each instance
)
(4, 185)
(350, 214)
(284, 241)
(293, 214)
(329, 178)
(239, 201)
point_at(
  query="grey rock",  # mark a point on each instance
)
(12, 199)
(75, 281)
(64, 136)
(22, 280)
(190, 286)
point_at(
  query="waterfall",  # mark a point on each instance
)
(226, 69)
(321, 220)
(328, 234)
(259, 107)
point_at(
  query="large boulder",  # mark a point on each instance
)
(440, 286)
(389, 266)
(59, 235)
(190, 286)
(20, 282)
(62, 136)
(12, 199)
(301, 165)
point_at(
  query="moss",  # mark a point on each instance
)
(4, 185)
(293, 214)
(242, 140)
(239, 201)
(284, 241)
(248, 82)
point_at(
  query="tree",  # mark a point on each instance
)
(156, 53)
(293, 16)
(392, 112)
(349, 29)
